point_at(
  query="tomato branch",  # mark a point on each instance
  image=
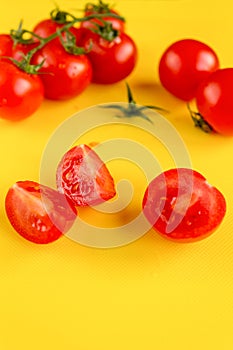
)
(19, 34)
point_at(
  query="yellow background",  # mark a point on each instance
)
(151, 294)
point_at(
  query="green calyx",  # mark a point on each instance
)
(199, 121)
(106, 31)
(101, 7)
(61, 17)
(133, 110)
(20, 35)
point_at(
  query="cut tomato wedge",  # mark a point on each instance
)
(38, 213)
(181, 205)
(84, 178)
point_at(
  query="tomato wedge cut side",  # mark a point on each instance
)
(84, 178)
(38, 213)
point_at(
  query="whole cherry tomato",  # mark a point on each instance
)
(19, 51)
(64, 75)
(184, 65)
(6, 44)
(84, 178)
(112, 59)
(214, 101)
(102, 8)
(21, 93)
(181, 205)
(48, 26)
(38, 213)
(16, 51)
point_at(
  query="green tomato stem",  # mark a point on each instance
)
(17, 36)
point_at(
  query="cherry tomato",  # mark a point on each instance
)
(6, 44)
(38, 213)
(21, 94)
(113, 60)
(20, 50)
(47, 27)
(102, 8)
(17, 51)
(184, 65)
(64, 75)
(181, 205)
(84, 178)
(214, 101)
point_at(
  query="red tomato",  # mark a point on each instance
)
(47, 27)
(21, 94)
(182, 206)
(38, 213)
(214, 101)
(21, 50)
(84, 178)
(112, 61)
(184, 65)
(7, 48)
(91, 9)
(64, 75)
(6, 44)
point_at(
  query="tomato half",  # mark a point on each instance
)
(84, 178)
(38, 213)
(64, 75)
(181, 205)
(113, 60)
(21, 94)
(184, 65)
(214, 101)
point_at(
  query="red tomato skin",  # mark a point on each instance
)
(48, 27)
(214, 101)
(200, 206)
(184, 65)
(21, 94)
(112, 61)
(21, 50)
(117, 24)
(6, 44)
(7, 48)
(84, 178)
(38, 213)
(64, 75)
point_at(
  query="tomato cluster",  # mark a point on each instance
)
(190, 69)
(63, 55)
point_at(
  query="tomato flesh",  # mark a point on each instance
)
(182, 206)
(84, 178)
(38, 213)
